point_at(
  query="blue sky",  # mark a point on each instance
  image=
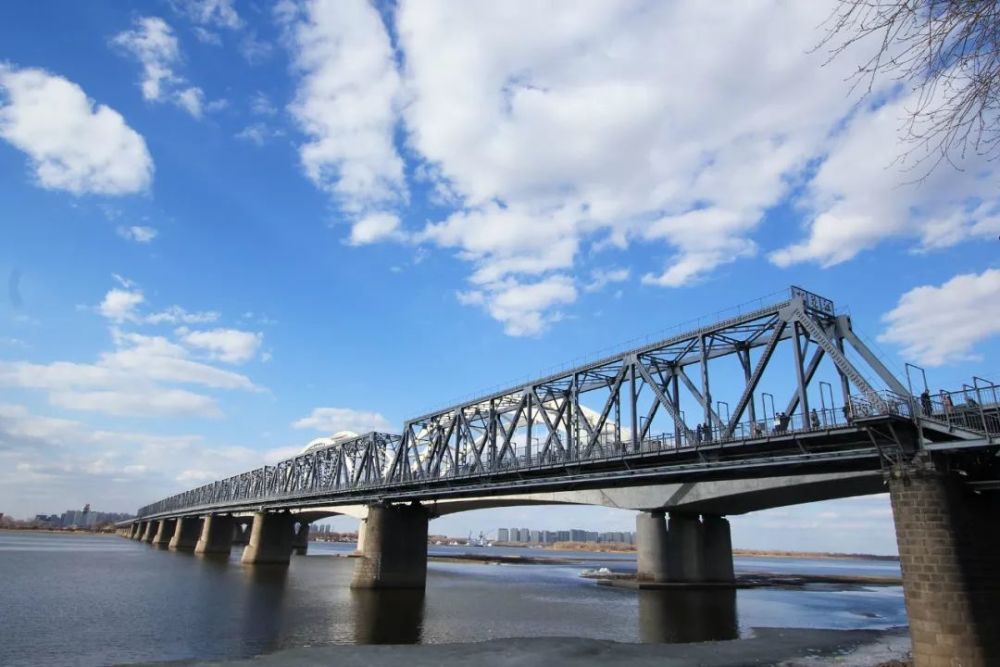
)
(227, 228)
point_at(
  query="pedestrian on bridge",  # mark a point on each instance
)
(814, 419)
(925, 403)
(946, 401)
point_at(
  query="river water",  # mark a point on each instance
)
(95, 600)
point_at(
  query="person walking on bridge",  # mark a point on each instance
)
(925, 403)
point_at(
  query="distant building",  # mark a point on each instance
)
(503, 535)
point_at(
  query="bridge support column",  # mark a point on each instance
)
(949, 552)
(362, 530)
(300, 543)
(685, 548)
(164, 532)
(270, 539)
(718, 546)
(651, 543)
(216, 535)
(394, 554)
(186, 534)
(150, 532)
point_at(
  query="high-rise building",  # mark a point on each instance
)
(503, 535)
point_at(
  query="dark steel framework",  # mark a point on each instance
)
(547, 427)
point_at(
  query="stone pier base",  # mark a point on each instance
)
(688, 549)
(718, 549)
(949, 552)
(216, 535)
(394, 554)
(651, 544)
(186, 534)
(300, 543)
(150, 532)
(164, 532)
(270, 539)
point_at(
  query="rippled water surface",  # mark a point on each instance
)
(95, 600)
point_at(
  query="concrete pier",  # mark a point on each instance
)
(150, 531)
(216, 535)
(718, 549)
(685, 549)
(186, 534)
(164, 532)
(394, 554)
(270, 539)
(949, 552)
(651, 544)
(300, 543)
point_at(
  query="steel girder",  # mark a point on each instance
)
(547, 421)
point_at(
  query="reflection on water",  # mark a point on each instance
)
(679, 616)
(264, 605)
(387, 617)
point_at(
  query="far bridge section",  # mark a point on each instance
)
(687, 426)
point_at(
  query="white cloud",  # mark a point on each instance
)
(375, 227)
(600, 278)
(74, 145)
(861, 195)
(228, 345)
(48, 463)
(333, 420)
(120, 304)
(259, 133)
(345, 103)
(523, 308)
(936, 325)
(556, 132)
(155, 403)
(215, 13)
(153, 43)
(138, 233)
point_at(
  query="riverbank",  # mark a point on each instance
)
(780, 647)
(594, 547)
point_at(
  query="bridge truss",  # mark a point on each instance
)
(666, 396)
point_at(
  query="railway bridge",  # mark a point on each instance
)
(686, 431)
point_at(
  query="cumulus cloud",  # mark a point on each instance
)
(525, 309)
(229, 345)
(375, 227)
(143, 375)
(332, 420)
(345, 103)
(214, 13)
(600, 278)
(936, 325)
(73, 143)
(152, 42)
(138, 233)
(861, 195)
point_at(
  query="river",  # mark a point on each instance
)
(71, 599)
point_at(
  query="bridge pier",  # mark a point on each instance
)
(685, 548)
(186, 534)
(394, 553)
(718, 548)
(688, 550)
(150, 531)
(300, 543)
(270, 539)
(651, 545)
(216, 535)
(164, 532)
(949, 553)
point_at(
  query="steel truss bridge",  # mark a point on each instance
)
(690, 407)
